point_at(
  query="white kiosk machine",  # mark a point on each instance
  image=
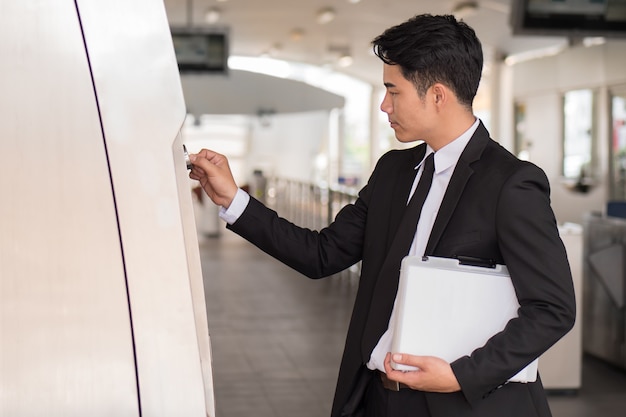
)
(102, 309)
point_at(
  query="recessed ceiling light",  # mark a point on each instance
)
(325, 15)
(464, 9)
(345, 61)
(296, 34)
(212, 15)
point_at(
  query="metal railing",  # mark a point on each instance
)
(309, 205)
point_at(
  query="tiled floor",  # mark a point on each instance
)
(277, 339)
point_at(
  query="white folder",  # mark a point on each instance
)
(447, 309)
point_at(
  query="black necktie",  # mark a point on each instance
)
(387, 282)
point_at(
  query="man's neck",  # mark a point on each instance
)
(451, 128)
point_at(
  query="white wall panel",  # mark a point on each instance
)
(101, 300)
(142, 109)
(65, 336)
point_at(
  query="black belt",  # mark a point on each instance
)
(391, 385)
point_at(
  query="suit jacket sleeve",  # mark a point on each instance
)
(315, 254)
(529, 243)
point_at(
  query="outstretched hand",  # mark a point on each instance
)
(216, 179)
(433, 374)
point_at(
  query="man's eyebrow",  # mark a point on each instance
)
(389, 85)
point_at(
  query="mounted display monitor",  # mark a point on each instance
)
(201, 51)
(569, 18)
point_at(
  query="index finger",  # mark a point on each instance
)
(203, 153)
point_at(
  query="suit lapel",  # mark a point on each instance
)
(460, 177)
(401, 190)
(399, 237)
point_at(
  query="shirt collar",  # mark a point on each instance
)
(449, 155)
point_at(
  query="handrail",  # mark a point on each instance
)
(309, 205)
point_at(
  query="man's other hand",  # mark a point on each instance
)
(433, 374)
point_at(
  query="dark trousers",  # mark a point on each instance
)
(381, 402)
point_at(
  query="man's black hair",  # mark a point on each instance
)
(434, 49)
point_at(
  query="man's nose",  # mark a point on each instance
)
(385, 105)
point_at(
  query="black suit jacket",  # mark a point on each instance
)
(496, 207)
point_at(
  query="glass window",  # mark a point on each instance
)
(578, 134)
(618, 144)
(521, 143)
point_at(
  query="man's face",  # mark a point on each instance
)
(411, 117)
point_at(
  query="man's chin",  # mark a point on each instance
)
(406, 140)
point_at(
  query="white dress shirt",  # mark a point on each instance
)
(445, 162)
(236, 208)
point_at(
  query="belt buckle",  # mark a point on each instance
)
(389, 384)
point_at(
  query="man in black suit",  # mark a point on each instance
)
(483, 203)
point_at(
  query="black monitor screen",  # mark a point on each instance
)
(571, 18)
(201, 52)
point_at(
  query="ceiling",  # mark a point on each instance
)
(287, 29)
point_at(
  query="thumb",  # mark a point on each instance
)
(407, 359)
(202, 163)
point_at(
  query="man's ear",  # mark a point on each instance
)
(440, 93)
